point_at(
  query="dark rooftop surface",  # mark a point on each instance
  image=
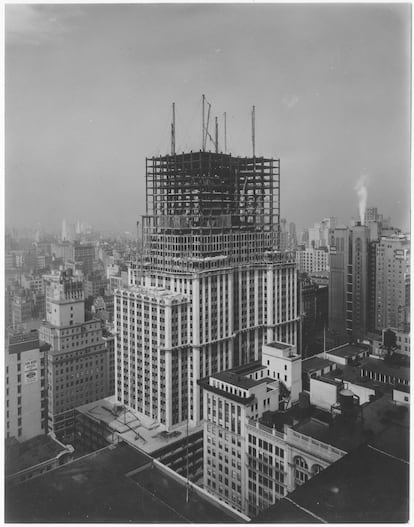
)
(350, 350)
(20, 456)
(315, 364)
(364, 486)
(382, 366)
(340, 434)
(238, 380)
(402, 388)
(97, 488)
(278, 345)
(378, 419)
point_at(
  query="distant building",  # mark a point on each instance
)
(85, 254)
(33, 282)
(319, 233)
(392, 304)
(95, 284)
(312, 260)
(22, 307)
(26, 390)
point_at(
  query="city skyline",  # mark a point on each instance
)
(332, 103)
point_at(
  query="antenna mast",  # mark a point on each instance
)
(203, 143)
(253, 130)
(216, 136)
(225, 133)
(173, 130)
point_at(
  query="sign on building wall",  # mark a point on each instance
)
(30, 371)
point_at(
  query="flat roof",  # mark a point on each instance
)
(20, 456)
(279, 345)
(236, 379)
(402, 388)
(315, 364)
(140, 431)
(155, 292)
(393, 370)
(340, 434)
(99, 488)
(349, 350)
(375, 418)
(365, 486)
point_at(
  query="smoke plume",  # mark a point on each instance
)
(362, 192)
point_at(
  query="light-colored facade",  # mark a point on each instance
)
(312, 260)
(26, 395)
(211, 281)
(392, 282)
(247, 464)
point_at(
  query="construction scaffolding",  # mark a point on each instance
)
(209, 205)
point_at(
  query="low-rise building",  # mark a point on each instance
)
(265, 434)
(34, 457)
(26, 392)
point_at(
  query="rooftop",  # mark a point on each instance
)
(278, 345)
(20, 456)
(387, 368)
(155, 292)
(380, 421)
(315, 364)
(347, 351)
(115, 484)
(365, 486)
(139, 431)
(236, 379)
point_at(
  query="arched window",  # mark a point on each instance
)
(301, 471)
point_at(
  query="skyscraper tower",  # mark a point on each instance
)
(392, 305)
(79, 362)
(349, 281)
(213, 284)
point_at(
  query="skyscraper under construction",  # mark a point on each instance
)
(212, 285)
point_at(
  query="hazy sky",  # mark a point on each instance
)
(89, 91)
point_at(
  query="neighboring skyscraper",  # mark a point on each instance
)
(284, 235)
(26, 394)
(292, 241)
(392, 305)
(349, 281)
(214, 285)
(78, 362)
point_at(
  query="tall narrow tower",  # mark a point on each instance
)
(214, 285)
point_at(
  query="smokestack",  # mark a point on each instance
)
(362, 193)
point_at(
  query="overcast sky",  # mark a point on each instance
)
(89, 92)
